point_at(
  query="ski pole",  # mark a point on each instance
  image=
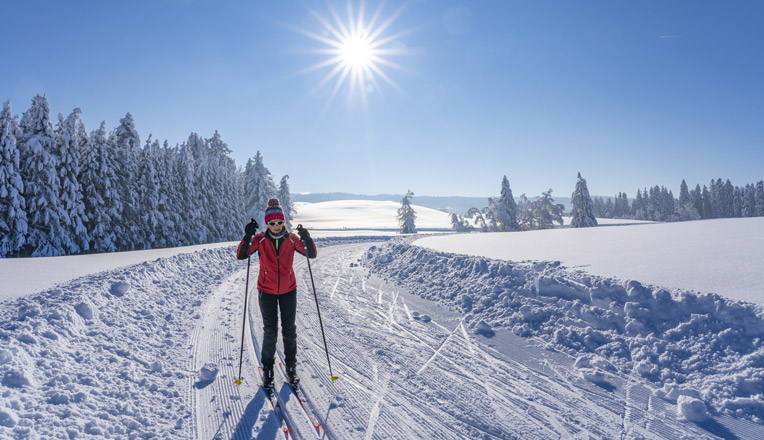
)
(315, 295)
(241, 349)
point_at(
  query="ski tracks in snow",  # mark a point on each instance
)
(223, 410)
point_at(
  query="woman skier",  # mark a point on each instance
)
(276, 284)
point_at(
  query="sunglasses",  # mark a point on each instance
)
(278, 223)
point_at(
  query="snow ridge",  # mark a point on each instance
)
(62, 347)
(699, 345)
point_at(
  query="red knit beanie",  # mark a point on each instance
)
(273, 211)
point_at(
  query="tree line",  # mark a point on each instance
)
(64, 191)
(720, 199)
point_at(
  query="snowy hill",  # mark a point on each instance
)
(469, 343)
(366, 214)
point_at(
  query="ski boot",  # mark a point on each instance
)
(292, 376)
(268, 378)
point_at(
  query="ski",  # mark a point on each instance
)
(273, 398)
(304, 403)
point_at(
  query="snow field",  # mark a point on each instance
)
(700, 344)
(106, 355)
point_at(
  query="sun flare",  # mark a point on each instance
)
(356, 51)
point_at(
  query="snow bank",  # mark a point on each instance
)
(105, 355)
(705, 343)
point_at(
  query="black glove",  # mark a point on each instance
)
(251, 228)
(304, 234)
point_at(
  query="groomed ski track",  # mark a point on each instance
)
(403, 374)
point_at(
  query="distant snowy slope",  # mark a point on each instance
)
(723, 256)
(365, 214)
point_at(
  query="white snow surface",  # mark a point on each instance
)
(22, 276)
(723, 256)
(427, 344)
(365, 214)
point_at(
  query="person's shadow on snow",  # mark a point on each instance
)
(717, 428)
(269, 429)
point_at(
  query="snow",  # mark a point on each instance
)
(691, 409)
(23, 276)
(722, 256)
(473, 342)
(365, 214)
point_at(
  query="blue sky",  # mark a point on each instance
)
(629, 93)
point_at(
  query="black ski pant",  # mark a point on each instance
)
(269, 309)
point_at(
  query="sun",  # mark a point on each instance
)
(356, 51)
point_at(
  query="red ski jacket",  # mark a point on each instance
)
(276, 274)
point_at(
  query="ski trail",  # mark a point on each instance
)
(219, 405)
(437, 350)
(392, 310)
(466, 338)
(334, 289)
(374, 415)
(379, 298)
(406, 308)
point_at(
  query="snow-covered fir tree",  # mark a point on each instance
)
(41, 183)
(258, 187)
(285, 199)
(542, 213)
(127, 145)
(228, 209)
(477, 216)
(13, 215)
(582, 212)
(490, 214)
(70, 140)
(707, 206)
(684, 193)
(748, 208)
(696, 195)
(459, 224)
(165, 171)
(406, 215)
(204, 188)
(189, 227)
(685, 209)
(760, 198)
(599, 207)
(98, 178)
(506, 209)
(151, 218)
(687, 212)
(609, 208)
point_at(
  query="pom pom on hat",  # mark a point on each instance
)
(273, 211)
